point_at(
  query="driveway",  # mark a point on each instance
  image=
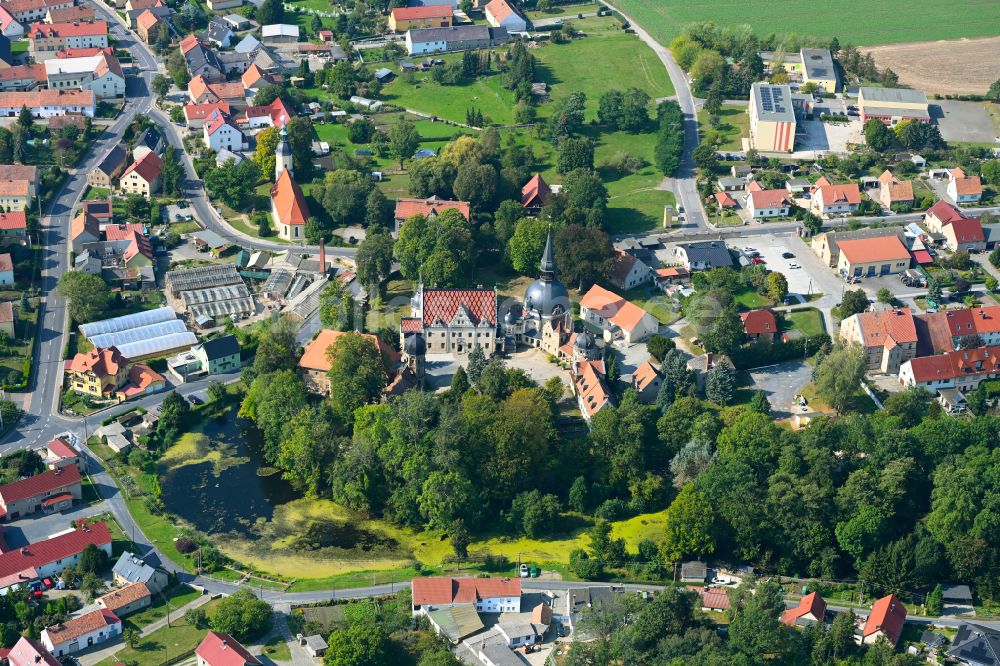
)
(782, 382)
(963, 121)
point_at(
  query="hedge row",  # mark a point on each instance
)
(768, 353)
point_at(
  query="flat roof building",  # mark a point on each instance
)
(893, 105)
(772, 119)
(818, 68)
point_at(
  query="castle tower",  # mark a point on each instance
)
(283, 156)
(414, 352)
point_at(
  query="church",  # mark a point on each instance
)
(289, 212)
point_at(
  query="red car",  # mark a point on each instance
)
(47, 583)
(756, 260)
(37, 594)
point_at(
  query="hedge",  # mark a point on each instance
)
(768, 353)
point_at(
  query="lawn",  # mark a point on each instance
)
(749, 299)
(185, 227)
(277, 649)
(177, 596)
(809, 321)
(96, 194)
(314, 5)
(451, 102)
(733, 126)
(889, 22)
(656, 303)
(163, 645)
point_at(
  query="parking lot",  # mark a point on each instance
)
(963, 121)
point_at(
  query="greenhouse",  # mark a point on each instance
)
(127, 322)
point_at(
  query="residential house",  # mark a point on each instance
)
(219, 5)
(455, 321)
(29, 652)
(628, 272)
(27, 12)
(759, 324)
(963, 370)
(818, 67)
(13, 224)
(973, 645)
(535, 194)
(255, 78)
(50, 557)
(97, 373)
(772, 119)
(703, 255)
(202, 91)
(694, 572)
(672, 275)
(288, 207)
(811, 610)
(74, 14)
(889, 337)
(221, 133)
(893, 105)
(129, 569)
(280, 33)
(276, 114)
(48, 103)
(59, 453)
(17, 186)
(58, 36)
(102, 211)
(964, 189)
(6, 270)
(454, 38)
(104, 174)
(9, 26)
(940, 215)
(49, 491)
(218, 649)
(141, 381)
(429, 208)
(885, 621)
(724, 201)
(612, 314)
(213, 357)
(894, 192)
(219, 33)
(769, 203)
(132, 5)
(827, 244)
(501, 14)
(702, 365)
(126, 600)
(101, 73)
(22, 77)
(315, 364)
(836, 199)
(143, 176)
(488, 595)
(402, 19)
(148, 25)
(7, 320)
(195, 114)
(965, 234)
(646, 381)
(873, 256)
(201, 60)
(82, 632)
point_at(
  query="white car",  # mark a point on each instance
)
(793, 265)
(524, 571)
(748, 249)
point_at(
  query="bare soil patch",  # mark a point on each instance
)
(956, 67)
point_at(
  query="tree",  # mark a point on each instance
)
(25, 120)
(534, 514)
(344, 195)
(88, 295)
(854, 301)
(892, 568)
(839, 375)
(691, 461)
(92, 560)
(336, 307)
(720, 385)
(271, 402)
(403, 140)
(704, 157)
(171, 173)
(216, 391)
(658, 346)
(583, 254)
(476, 364)
(177, 68)
(160, 85)
(131, 637)
(174, 412)
(755, 630)
(357, 374)
(233, 183)
(526, 245)
(270, 12)
(446, 497)
(993, 94)
(575, 154)
(584, 189)
(362, 643)
(935, 601)
(777, 286)
(379, 211)
(263, 154)
(689, 526)
(878, 137)
(374, 258)
(241, 615)
(276, 346)
(360, 131)
(477, 184)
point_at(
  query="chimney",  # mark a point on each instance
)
(225, 644)
(322, 256)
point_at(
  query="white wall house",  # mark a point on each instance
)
(769, 203)
(95, 73)
(48, 103)
(221, 134)
(500, 13)
(81, 632)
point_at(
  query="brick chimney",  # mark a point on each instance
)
(322, 256)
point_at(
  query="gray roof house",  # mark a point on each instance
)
(976, 645)
(219, 32)
(703, 255)
(130, 569)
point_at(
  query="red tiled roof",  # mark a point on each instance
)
(443, 304)
(18, 6)
(6, 312)
(888, 328)
(216, 121)
(289, 202)
(840, 194)
(39, 484)
(970, 185)
(70, 14)
(811, 604)
(961, 363)
(202, 111)
(43, 30)
(421, 12)
(147, 20)
(15, 220)
(888, 615)
(767, 199)
(644, 375)
(922, 257)
(34, 71)
(28, 652)
(967, 230)
(621, 265)
(56, 98)
(52, 500)
(725, 200)
(60, 448)
(758, 322)
(189, 43)
(944, 212)
(500, 9)
(535, 192)
(441, 591)
(410, 325)
(114, 232)
(85, 52)
(407, 208)
(986, 320)
(871, 250)
(124, 596)
(50, 550)
(102, 362)
(5, 262)
(589, 379)
(140, 378)
(714, 598)
(672, 272)
(624, 314)
(148, 167)
(899, 190)
(74, 628)
(219, 649)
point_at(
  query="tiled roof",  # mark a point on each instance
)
(621, 265)
(34, 72)
(124, 596)
(5, 262)
(899, 190)
(967, 230)
(93, 29)
(812, 604)
(840, 194)
(410, 325)
(970, 185)
(147, 19)
(50, 550)
(887, 328)
(14, 220)
(202, 111)
(767, 199)
(535, 191)
(872, 250)
(609, 305)
(70, 630)
(223, 650)
(288, 200)
(500, 9)
(140, 378)
(407, 208)
(759, 321)
(70, 14)
(440, 591)
(6, 312)
(216, 121)
(421, 12)
(100, 210)
(314, 355)
(944, 211)
(18, 6)
(18, 171)
(725, 200)
(148, 167)
(950, 365)
(590, 387)
(59, 448)
(714, 598)
(39, 484)
(14, 188)
(54, 98)
(441, 305)
(188, 43)
(888, 615)
(644, 375)
(252, 75)
(102, 362)
(85, 51)
(28, 652)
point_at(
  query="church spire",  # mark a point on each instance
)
(547, 266)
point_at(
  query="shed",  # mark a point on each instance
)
(694, 572)
(956, 594)
(315, 645)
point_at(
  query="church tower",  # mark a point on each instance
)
(283, 156)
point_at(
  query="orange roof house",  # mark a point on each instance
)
(646, 381)
(830, 199)
(315, 361)
(759, 323)
(811, 610)
(84, 229)
(142, 176)
(218, 649)
(873, 256)
(893, 191)
(535, 193)
(592, 392)
(607, 310)
(430, 207)
(481, 592)
(886, 619)
(963, 188)
(288, 207)
(98, 372)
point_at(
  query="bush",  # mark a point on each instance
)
(612, 509)
(764, 353)
(584, 566)
(185, 545)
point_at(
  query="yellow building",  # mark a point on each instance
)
(893, 105)
(872, 257)
(772, 120)
(143, 177)
(402, 19)
(818, 68)
(97, 373)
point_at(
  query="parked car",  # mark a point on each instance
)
(787, 255)
(194, 400)
(534, 571)
(524, 571)
(793, 265)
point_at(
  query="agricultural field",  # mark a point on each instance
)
(962, 67)
(851, 21)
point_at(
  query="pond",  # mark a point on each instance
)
(213, 482)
